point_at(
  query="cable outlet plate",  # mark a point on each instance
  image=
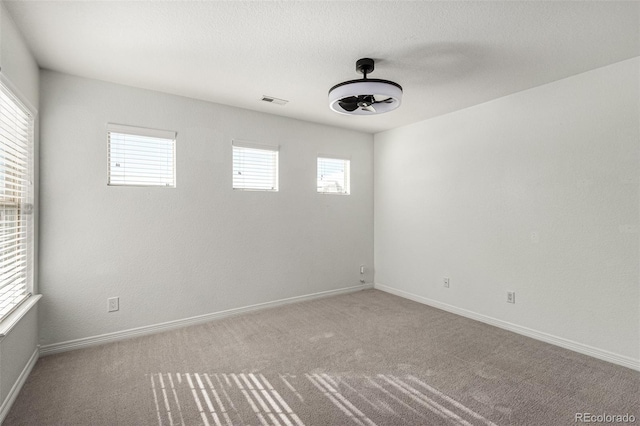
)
(511, 297)
(113, 304)
(445, 282)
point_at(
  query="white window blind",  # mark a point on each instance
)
(16, 202)
(141, 157)
(255, 167)
(333, 175)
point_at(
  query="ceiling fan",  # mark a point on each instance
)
(365, 96)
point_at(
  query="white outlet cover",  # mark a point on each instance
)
(113, 304)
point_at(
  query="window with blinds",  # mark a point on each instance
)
(333, 176)
(141, 157)
(16, 202)
(255, 166)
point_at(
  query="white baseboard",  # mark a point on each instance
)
(538, 335)
(15, 389)
(156, 328)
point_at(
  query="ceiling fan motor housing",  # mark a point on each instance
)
(387, 93)
(366, 96)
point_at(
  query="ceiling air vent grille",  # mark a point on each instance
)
(273, 100)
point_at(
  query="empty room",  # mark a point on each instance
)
(335, 213)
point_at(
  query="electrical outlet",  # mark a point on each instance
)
(113, 304)
(511, 297)
(445, 282)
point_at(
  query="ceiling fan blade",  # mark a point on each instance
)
(369, 108)
(385, 101)
(350, 100)
(348, 106)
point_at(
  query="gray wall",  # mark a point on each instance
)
(537, 193)
(202, 247)
(20, 71)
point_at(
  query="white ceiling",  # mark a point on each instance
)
(446, 55)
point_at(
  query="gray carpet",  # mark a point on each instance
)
(360, 359)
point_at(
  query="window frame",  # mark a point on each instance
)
(144, 132)
(244, 144)
(25, 203)
(347, 173)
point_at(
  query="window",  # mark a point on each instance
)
(255, 167)
(333, 176)
(141, 157)
(16, 202)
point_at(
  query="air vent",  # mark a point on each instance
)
(273, 100)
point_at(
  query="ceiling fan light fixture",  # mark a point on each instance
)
(365, 96)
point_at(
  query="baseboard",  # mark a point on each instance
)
(538, 335)
(15, 389)
(156, 328)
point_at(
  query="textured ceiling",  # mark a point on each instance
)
(446, 55)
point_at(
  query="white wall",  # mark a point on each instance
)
(18, 354)
(20, 71)
(16, 61)
(460, 195)
(200, 248)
